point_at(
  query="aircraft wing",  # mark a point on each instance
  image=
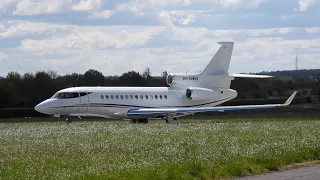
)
(146, 111)
(250, 76)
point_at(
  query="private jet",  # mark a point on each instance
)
(187, 94)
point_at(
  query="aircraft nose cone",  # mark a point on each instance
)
(39, 108)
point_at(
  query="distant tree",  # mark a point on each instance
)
(8, 95)
(70, 80)
(14, 79)
(52, 74)
(146, 73)
(93, 78)
(45, 86)
(164, 74)
(29, 90)
(14, 76)
(132, 78)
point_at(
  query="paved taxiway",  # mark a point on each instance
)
(311, 172)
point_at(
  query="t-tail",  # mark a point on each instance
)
(215, 74)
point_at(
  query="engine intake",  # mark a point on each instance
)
(170, 79)
(199, 94)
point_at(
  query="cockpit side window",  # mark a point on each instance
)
(83, 94)
(69, 95)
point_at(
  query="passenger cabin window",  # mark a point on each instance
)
(127, 97)
(136, 96)
(117, 97)
(121, 96)
(112, 97)
(131, 96)
(165, 96)
(160, 96)
(156, 97)
(147, 97)
(107, 97)
(151, 96)
(141, 97)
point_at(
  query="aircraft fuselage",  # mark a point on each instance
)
(114, 102)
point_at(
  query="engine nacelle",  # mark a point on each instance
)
(200, 94)
(183, 80)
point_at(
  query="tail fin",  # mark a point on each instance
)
(219, 64)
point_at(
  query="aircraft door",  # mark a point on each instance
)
(84, 102)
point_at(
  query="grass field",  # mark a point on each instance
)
(197, 149)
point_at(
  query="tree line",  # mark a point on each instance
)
(315, 73)
(26, 90)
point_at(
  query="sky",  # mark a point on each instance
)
(179, 36)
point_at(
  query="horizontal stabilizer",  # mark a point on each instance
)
(250, 76)
(147, 111)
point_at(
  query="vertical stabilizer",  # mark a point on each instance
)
(219, 64)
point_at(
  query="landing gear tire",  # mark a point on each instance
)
(139, 121)
(143, 121)
(68, 119)
(133, 121)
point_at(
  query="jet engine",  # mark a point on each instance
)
(200, 94)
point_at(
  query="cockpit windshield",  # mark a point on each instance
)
(68, 95)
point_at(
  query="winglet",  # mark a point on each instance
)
(289, 100)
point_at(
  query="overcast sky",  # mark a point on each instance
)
(115, 36)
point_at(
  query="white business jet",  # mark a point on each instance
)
(187, 94)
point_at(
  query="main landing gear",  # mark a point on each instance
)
(140, 121)
(171, 120)
(168, 118)
(68, 119)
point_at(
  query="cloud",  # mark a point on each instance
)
(87, 5)
(189, 19)
(3, 56)
(22, 28)
(34, 7)
(166, 18)
(181, 17)
(4, 4)
(139, 6)
(2, 27)
(312, 30)
(257, 3)
(304, 5)
(106, 14)
(89, 38)
(228, 3)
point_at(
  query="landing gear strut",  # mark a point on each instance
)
(68, 119)
(139, 121)
(171, 120)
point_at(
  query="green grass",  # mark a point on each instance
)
(197, 149)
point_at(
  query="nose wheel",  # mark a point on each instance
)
(68, 119)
